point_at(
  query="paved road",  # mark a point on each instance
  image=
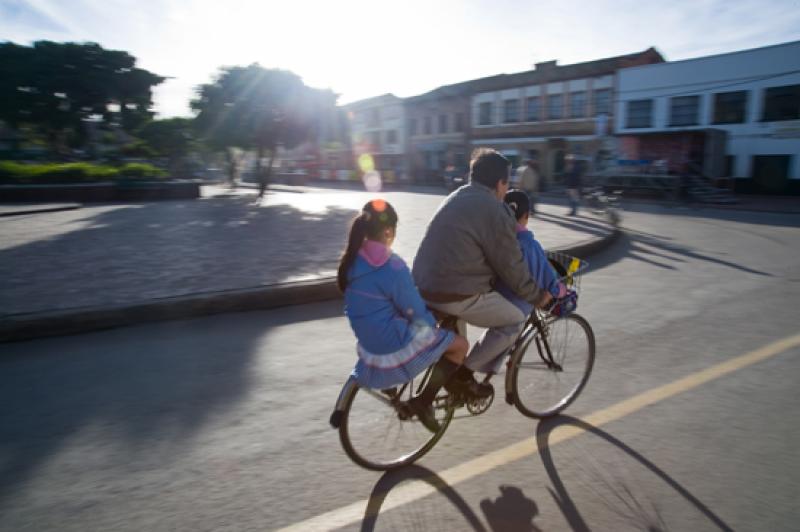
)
(220, 423)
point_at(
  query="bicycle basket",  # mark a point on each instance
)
(568, 268)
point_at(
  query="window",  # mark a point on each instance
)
(730, 166)
(412, 126)
(782, 103)
(511, 111)
(684, 110)
(577, 104)
(442, 123)
(375, 139)
(427, 125)
(602, 102)
(555, 106)
(730, 107)
(640, 113)
(391, 137)
(485, 114)
(532, 109)
(459, 122)
(374, 117)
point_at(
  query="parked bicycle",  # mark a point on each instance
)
(547, 368)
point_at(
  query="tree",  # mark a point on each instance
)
(172, 138)
(57, 87)
(261, 109)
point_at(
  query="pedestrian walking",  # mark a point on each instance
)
(573, 180)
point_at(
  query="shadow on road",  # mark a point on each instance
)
(512, 511)
(661, 252)
(392, 479)
(618, 496)
(132, 396)
(581, 224)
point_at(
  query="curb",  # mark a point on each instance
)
(22, 327)
(36, 210)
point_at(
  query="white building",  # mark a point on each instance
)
(735, 115)
(377, 128)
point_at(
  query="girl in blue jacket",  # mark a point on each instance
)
(397, 335)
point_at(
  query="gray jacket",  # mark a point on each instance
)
(469, 243)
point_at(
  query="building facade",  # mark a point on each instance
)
(734, 115)
(551, 111)
(437, 133)
(377, 129)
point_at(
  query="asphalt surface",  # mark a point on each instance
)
(220, 423)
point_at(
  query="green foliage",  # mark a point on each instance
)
(171, 137)
(141, 170)
(137, 148)
(257, 108)
(56, 86)
(33, 174)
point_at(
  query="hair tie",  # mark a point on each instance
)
(513, 205)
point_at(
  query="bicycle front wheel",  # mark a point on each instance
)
(549, 372)
(377, 435)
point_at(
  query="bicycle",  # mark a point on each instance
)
(378, 432)
(604, 202)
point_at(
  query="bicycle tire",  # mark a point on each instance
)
(365, 453)
(527, 385)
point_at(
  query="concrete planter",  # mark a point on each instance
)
(101, 192)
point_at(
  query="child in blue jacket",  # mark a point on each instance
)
(397, 337)
(533, 253)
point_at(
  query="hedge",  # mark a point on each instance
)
(32, 174)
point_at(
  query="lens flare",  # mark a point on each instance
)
(366, 163)
(372, 181)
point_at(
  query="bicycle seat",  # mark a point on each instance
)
(445, 320)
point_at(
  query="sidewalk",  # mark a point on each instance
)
(108, 265)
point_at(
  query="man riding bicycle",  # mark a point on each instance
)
(469, 244)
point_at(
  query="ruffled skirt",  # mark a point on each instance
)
(381, 371)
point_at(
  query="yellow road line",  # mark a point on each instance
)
(415, 490)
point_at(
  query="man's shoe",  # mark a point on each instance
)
(478, 389)
(469, 386)
(425, 414)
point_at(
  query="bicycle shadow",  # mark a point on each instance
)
(629, 504)
(392, 479)
(512, 511)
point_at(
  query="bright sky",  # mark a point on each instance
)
(366, 48)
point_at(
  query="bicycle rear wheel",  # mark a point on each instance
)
(542, 388)
(377, 435)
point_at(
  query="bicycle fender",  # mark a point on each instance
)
(349, 387)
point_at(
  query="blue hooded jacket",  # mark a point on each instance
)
(396, 333)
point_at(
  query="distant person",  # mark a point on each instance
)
(529, 182)
(469, 244)
(573, 181)
(397, 335)
(539, 267)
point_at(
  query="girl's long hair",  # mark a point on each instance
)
(376, 216)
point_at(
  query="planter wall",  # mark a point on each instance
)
(101, 192)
